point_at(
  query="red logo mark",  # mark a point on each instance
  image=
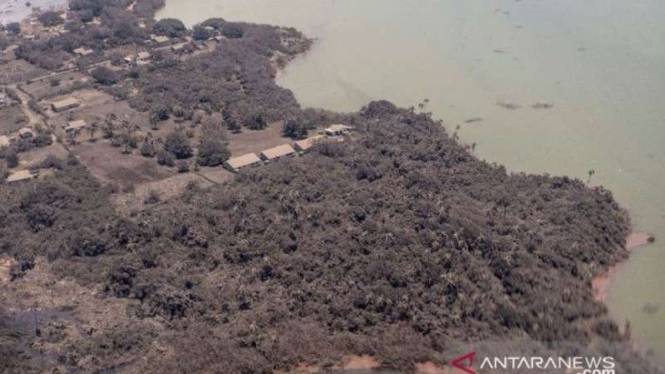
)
(458, 363)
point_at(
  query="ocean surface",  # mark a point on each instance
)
(559, 87)
(16, 10)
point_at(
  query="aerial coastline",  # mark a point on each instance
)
(185, 246)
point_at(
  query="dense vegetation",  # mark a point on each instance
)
(237, 78)
(396, 243)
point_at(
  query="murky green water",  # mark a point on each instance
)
(601, 63)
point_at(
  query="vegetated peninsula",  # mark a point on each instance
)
(127, 248)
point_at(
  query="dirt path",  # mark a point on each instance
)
(33, 118)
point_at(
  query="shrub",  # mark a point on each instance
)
(147, 149)
(201, 33)
(11, 158)
(105, 76)
(257, 121)
(170, 27)
(212, 152)
(233, 31)
(50, 19)
(159, 112)
(165, 158)
(178, 144)
(14, 28)
(183, 166)
(153, 197)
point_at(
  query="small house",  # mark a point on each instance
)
(238, 163)
(25, 133)
(66, 104)
(282, 151)
(129, 59)
(143, 56)
(82, 52)
(4, 141)
(160, 39)
(178, 47)
(303, 146)
(74, 126)
(20, 176)
(337, 130)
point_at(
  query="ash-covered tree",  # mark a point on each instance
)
(170, 27)
(233, 125)
(105, 76)
(148, 148)
(294, 129)
(233, 31)
(215, 23)
(256, 121)
(50, 19)
(201, 33)
(212, 152)
(11, 158)
(165, 158)
(14, 28)
(159, 112)
(178, 144)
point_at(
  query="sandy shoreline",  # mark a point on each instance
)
(601, 284)
(364, 363)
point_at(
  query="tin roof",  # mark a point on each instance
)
(308, 143)
(20, 176)
(277, 152)
(73, 125)
(243, 161)
(70, 101)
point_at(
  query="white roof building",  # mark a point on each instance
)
(278, 152)
(144, 55)
(83, 51)
(244, 161)
(19, 176)
(65, 104)
(305, 144)
(75, 125)
(4, 141)
(338, 129)
(160, 39)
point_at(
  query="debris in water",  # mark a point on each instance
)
(650, 308)
(510, 106)
(542, 106)
(474, 120)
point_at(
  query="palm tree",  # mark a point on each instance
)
(591, 174)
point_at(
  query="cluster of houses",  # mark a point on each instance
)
(285, 151)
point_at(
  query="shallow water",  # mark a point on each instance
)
(600, 63)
